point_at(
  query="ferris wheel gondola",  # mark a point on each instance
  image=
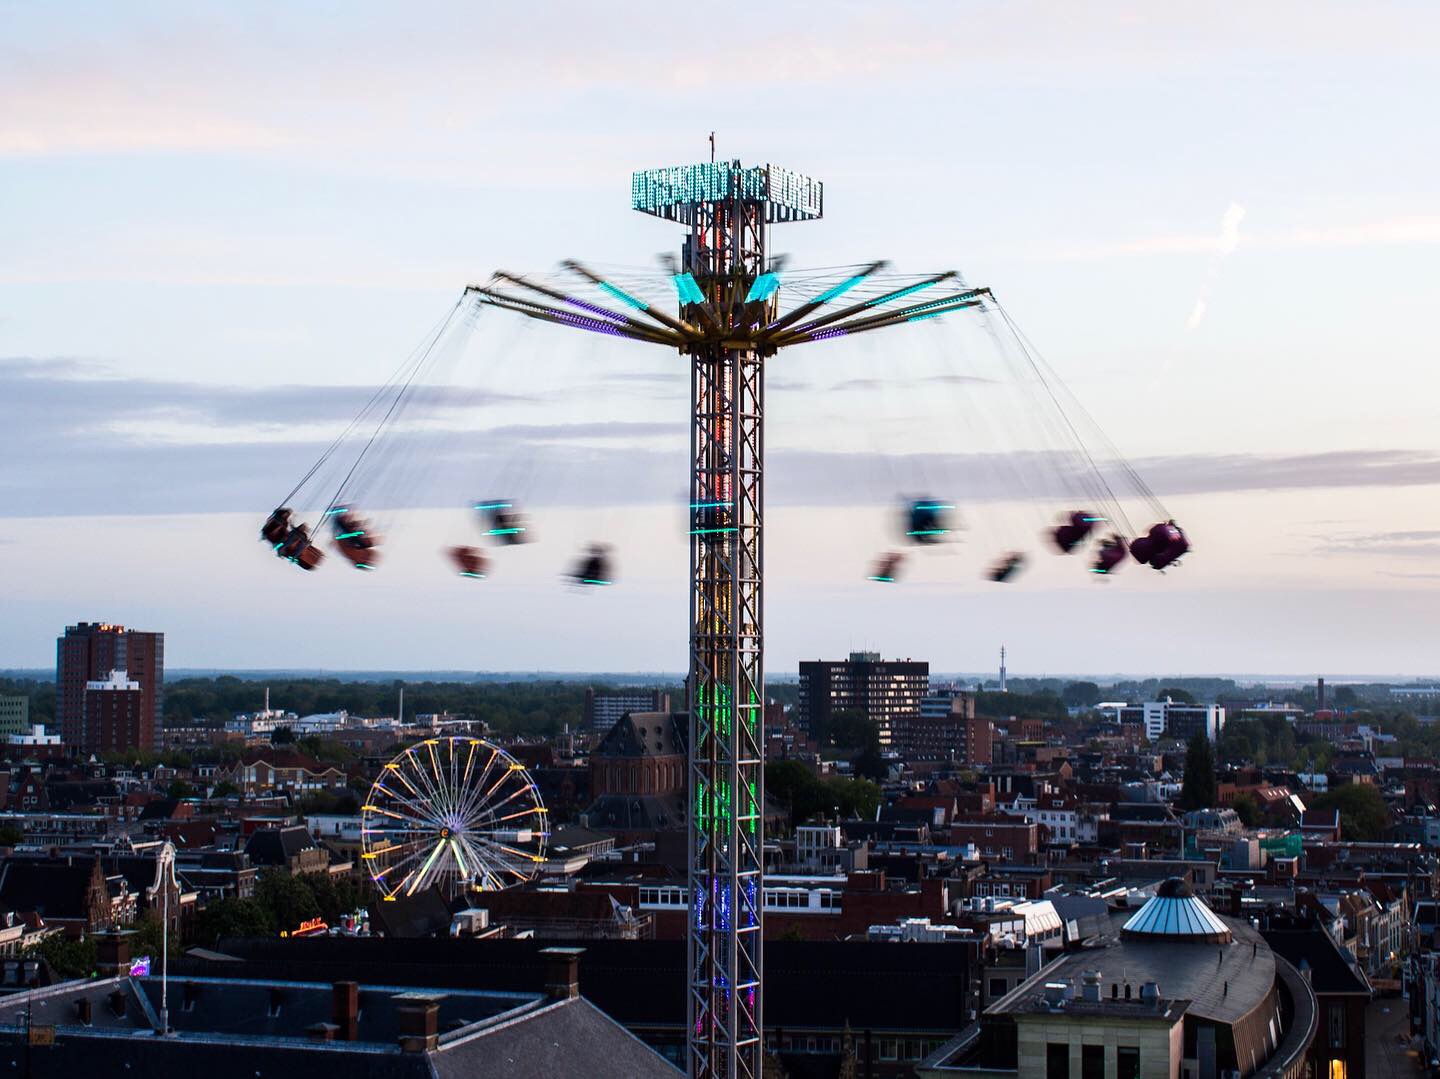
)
(457, 813)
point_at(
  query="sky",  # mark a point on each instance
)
(222, 226)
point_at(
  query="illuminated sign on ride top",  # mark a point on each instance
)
(672, 192)
(140, 968)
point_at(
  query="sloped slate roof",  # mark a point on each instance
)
(645, 734)
(568, 1038)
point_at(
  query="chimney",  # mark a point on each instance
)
(1150, 993)
(346, 1009)
(82, 1010)
(192, 994)
(117, 1003)
(112, 953)
(1319, 694)
(419, 1015)
(562, 972)
(321, 1032)
(1090, 986)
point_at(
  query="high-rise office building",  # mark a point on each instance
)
(89, 652)
(885, 690)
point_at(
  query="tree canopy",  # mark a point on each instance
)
(1198, 789)
(1364, 816)
(791, 784)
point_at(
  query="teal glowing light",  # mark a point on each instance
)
(933, 506)
(349, 535)
(1094, 520)
(929, 532)
(364, 566)
(764, 287)
(687, 289)
(504, 531)
(623, 296)
(593, 580)
(337, 511)
(838, 290)
(711, 531)
(922, 318)
(492, 505)
(879, 578)
(476, 576)
(899, 293)
(709, 505)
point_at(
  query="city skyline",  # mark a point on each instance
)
(170, 374)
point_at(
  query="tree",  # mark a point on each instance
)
(850, 728)
(178, 789)
(282, 736)
(149, 936)
(233, 918)
(792, 784)
(10, 836)
(72, 958)
(1179, 696)
(224, 789)
(287, 900)
(1247, 808)
(1080, 695)
(1364, 816)
(1198, 789)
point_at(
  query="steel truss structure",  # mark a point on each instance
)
(730, 321)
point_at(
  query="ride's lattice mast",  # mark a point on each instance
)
(728, 211)
(728, 324)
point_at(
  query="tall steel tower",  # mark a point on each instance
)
(728, 324)
(728, 211)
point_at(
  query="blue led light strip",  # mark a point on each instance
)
(902, 292)
(838, 290)
(763, 288)
(623, 296)
(687, 289)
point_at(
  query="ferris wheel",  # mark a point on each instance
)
(457, 812)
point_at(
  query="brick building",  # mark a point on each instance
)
(89, 652)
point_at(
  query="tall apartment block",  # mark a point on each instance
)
(885, 690)
(90, 652)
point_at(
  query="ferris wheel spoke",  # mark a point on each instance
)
(425, 868)
(399, 773)
(484, 777)
(469, 764)
(488, 812)
(432, 793)
(435, 772)
(417, 808)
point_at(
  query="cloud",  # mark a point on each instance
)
(1225, 245)
(240, 448)
(1423, 543)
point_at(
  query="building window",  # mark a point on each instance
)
(1337, 1069)
(1092, 1062)
(1337, 1026)
(1127, 1062)
(889, 1049)
(1057, 1061)
(998, 988)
